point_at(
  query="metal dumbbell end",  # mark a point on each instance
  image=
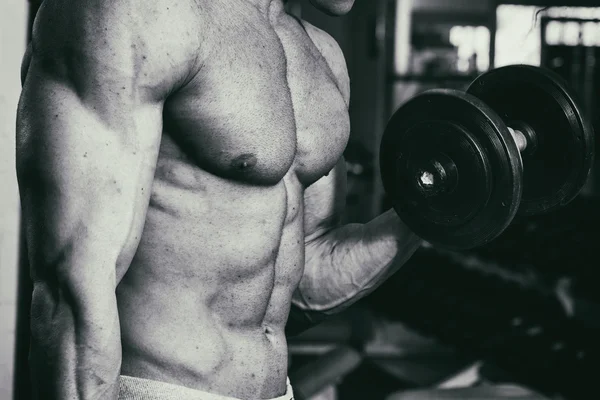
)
(437, 176)
(457, 167)
(524, 137)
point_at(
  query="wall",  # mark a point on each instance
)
(453, 6)
(13, 27)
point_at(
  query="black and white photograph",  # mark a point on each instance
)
(299, 200)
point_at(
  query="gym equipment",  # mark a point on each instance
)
(505, 318)
(326, 370)
(459, 166)
(515, 326)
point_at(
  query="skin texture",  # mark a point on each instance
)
(180, 171)
(333, 7)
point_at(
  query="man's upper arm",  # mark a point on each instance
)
(325, 199)
(324, 202)
(88, 131)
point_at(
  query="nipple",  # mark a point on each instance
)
(244, 162)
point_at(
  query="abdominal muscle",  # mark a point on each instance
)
(206, 298)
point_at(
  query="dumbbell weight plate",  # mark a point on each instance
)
(451, 169)
(557, 167)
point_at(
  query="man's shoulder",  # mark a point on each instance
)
(333, 54)
(117, 22)
(156, 42)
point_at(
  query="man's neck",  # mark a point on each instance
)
(267, 6)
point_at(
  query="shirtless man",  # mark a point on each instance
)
(180, 170)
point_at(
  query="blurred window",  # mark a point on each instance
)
(471, 41)
(518, 32)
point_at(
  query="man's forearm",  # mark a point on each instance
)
(75, 351)
(347, 263)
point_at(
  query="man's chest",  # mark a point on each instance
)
(264, 102)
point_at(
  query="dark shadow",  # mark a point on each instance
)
(21, 379)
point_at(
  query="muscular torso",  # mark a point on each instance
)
(206, 298)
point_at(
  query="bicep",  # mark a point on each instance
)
(88, 131)
(81, 178)
(324, 202)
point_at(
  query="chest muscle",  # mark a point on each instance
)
(264, 101)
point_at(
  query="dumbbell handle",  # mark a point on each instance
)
(439, 175)
(524, 136)
(520, 139)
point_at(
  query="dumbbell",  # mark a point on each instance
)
(459, 166)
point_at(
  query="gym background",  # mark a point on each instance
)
(442, 320)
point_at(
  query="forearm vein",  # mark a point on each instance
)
(345, 264)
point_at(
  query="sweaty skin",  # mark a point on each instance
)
(181, 177)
